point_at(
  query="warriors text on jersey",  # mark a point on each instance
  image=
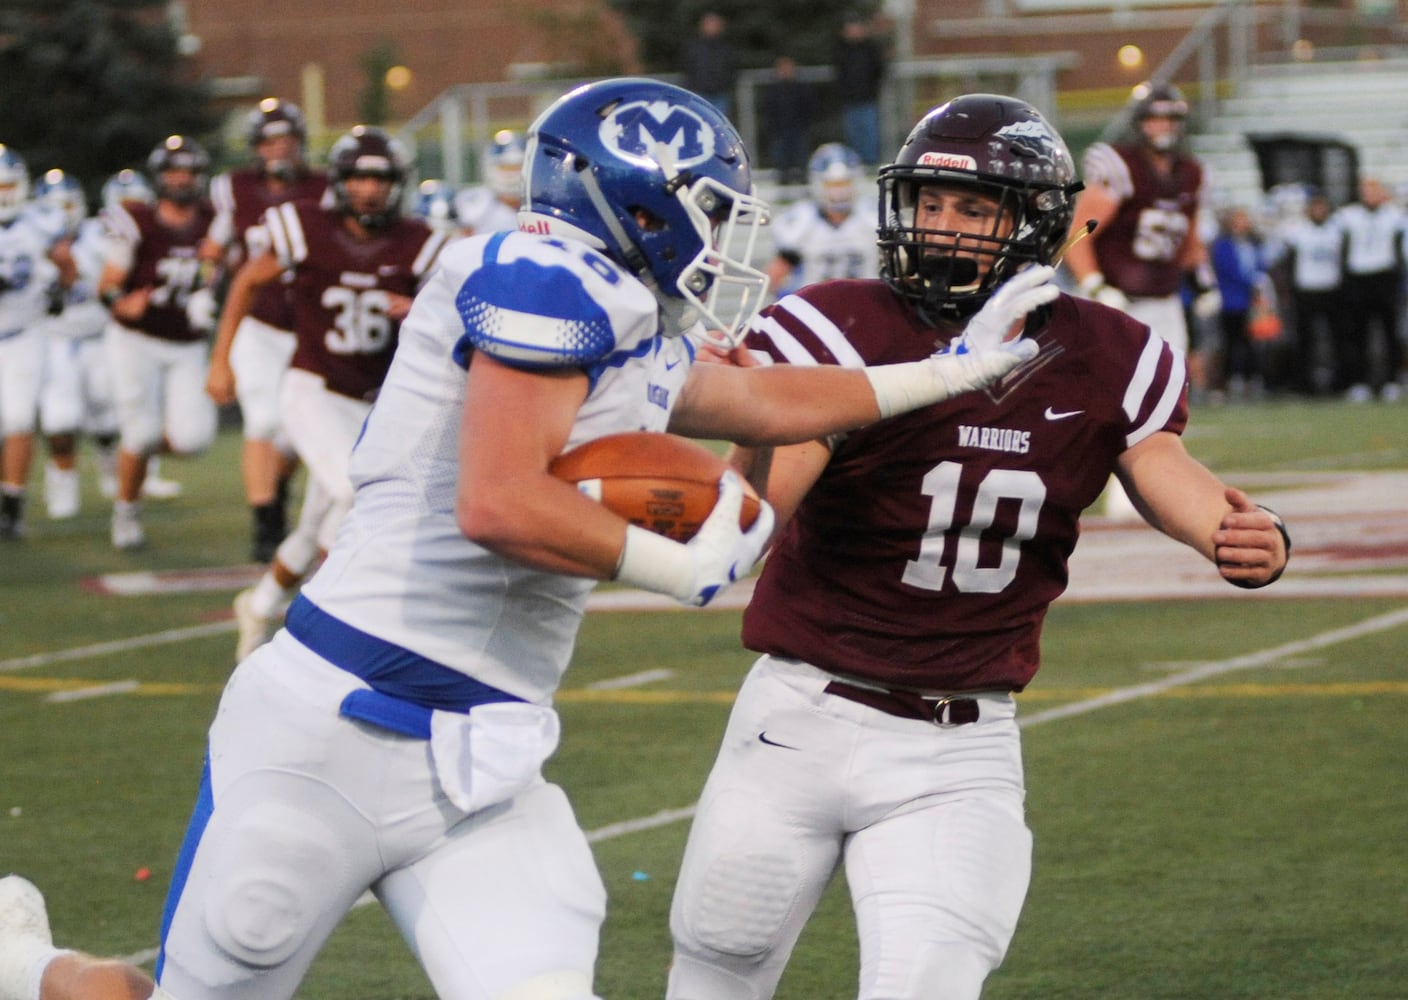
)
(241, 197)
(401, 569)
(162, 258)
(1138, 249)
(340, 287)
(974, 501)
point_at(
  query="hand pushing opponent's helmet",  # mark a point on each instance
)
(656, 178)
(1004, 149)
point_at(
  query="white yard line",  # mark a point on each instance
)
(116, 646)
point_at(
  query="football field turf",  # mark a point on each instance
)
(1216, 779)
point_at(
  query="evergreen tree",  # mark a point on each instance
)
(93, 85)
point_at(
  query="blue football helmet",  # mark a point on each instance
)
(62, 192)
(504, 164)
(127, 185)
(655, 177)
(435, 206)
(833, 175)
(14, 184)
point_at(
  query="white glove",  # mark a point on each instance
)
(200, 310)
(977, 358)
(693, 572)
(1094, 287)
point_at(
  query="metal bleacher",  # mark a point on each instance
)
(1360, 102)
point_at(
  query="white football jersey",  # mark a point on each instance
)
(26, 272)
(827, 250)
(83, 315)
(480, 211)
(400, 568)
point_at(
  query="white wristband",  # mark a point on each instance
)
(906, 386)
(655, 563)
(1091, 284)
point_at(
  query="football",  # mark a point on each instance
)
(662, 482)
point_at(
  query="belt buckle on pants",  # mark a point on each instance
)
(953, 710)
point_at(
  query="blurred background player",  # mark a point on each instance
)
(1144, 196)
(352, 268)
(76, 397)
(1375, 262)
(435, 206)
(29, 274)
(158, 358)
(492, 205)
(132, 185)
(1310, 250)
(831, 234)
(276, 135)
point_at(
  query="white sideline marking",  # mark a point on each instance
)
(1244, 662)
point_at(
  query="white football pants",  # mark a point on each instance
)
(304, 810)
(927, 820)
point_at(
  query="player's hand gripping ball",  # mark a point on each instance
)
(661, 482)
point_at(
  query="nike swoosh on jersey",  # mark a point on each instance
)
(763, 738)
(1061, 414)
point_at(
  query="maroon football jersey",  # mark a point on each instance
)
(164, 259)
(926, 554)
(241, 198)
(1138, 249)
(340, 287)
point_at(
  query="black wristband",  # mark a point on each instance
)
(108, 296)
(1285, 537)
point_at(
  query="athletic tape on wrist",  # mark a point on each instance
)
(655, 563)
(907, 386)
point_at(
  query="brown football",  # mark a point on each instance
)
(662, 482)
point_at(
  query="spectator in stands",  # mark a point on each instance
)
(859, 62)
(1373, 291)
(788, 105)
(1239, 262)
(711, 63)
(1309, 251)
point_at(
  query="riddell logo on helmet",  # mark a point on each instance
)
(949, 160)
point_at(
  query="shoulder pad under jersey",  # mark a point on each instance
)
(538, 302)
(1103, 165)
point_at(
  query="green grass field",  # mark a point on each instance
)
(1241, 835)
